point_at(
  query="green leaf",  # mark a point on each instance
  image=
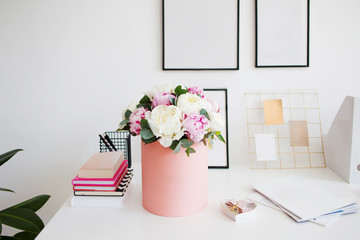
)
(183, 91)
(0, 228)
(147, 141)
(172, 100)
(178, 89)
(6, 156)
(144, 123)
(146, 133)
(220, 137)
(207, 135)
(145, 100)
(127, 114)
(189, 150)
(204, 141)
(174, 144)
(22, 218)
(6, 190)
(25, 236)
(33, 204)
(144, 105)
(127, 127)
(177, 148)
(186, 143)
(205, 113)
(7, 238)
(123, 122)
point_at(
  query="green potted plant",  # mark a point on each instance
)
(22, 216)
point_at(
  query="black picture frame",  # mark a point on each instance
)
(219, 147)
(190, 52)
(268, 42)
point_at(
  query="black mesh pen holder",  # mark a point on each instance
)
(121, 140)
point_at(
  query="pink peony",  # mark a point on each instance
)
(162, 99)
(212, 106)
(197, 91)
(195, 126)
(135, 119)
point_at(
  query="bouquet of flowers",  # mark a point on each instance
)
(174, 116)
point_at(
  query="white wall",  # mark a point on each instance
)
(68, 68)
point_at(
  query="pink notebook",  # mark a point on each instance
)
(101, 181)
(100, 188)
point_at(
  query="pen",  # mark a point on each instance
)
(109, 141)
(106, 143)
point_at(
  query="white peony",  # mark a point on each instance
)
(217, 122)
(190, 103)
(165, 122)
(165, 88)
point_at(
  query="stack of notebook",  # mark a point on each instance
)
(103, 177)
(303, 200)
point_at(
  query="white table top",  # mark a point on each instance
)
(134, 222)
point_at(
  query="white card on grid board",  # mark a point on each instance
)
(265, 147)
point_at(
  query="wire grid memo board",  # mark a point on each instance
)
(121, 140)
(297, 105)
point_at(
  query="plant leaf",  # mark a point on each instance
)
(144, 105)
(144, 123)
(172, 100)
(205, 113)
(177, 90)
(186, 143)
(7, 238)
(25, 236)
(6, 156)
(147, 141)
(33, 204)
(211, 135)
(146, 133)
(127, 127)
(22, 218)
(220, 137)
(174, 144)
(189, 150)
(204, 141)
(177, 148)
(6, 190)
(145, 100)
(127, 114)
(183, 91)
(123, 122)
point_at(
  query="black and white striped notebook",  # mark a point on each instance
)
(120, 192)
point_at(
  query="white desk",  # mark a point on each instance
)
(133, 222)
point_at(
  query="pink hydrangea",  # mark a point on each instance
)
(195, 126)
(162, 99)
(197, 91)
(135, 119)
